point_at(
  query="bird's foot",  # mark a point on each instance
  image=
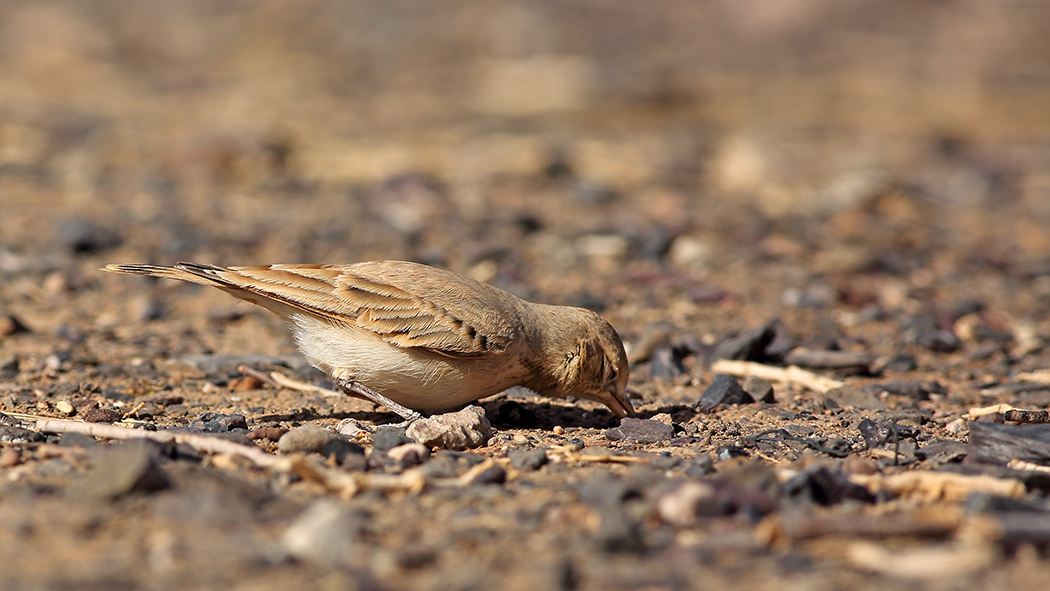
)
(357, 389)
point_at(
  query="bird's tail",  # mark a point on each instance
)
(190, 272)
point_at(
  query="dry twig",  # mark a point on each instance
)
(287, 382)
(786, 375)
(940, 486)
(202, 443)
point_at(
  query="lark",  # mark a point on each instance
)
(417, 339)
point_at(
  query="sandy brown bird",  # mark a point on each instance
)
(416, 338)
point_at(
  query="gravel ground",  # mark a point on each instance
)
(857, 192)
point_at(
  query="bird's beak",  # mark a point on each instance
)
(618, 403)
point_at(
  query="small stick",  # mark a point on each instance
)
(348, 484)
(787, 375)
(603, 458)
(198, 442)
(940, 486)
(288, 382)
(1039, 376)
(933, 522)
(1018, 464)
(988, 410)
(1017, 415)
(137, 408)
(259, 375)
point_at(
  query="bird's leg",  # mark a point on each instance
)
(355, 389)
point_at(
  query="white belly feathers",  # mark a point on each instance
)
(412, 377)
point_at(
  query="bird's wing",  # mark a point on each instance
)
(406, 304)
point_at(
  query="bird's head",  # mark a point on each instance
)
(594, 364)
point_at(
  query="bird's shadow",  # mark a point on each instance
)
(504, 413)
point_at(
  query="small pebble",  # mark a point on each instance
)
(77, 440)
(10, 457)
(724, 389)
(640, 430)
(491, 475)
(352, 428)
(12, 434)
(387, 437)
(527, 460)
(64, 407)
(10, 325)
(957, 426)
(465, 429)
(727, 452)
(856, 397)
(760, 389)
(244, 384)
(306, 439)
(409, 454)
(268, 433)
(123, 468)
(346, 453)
(325, 533)
(101, 415)
(683, 505)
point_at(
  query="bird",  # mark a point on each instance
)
(420, 339)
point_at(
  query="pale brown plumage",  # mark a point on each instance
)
(418, 338)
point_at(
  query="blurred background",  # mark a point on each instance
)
(588, 152)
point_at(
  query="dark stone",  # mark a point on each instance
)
(944, 451)
(527, 460)
(220, 423)
(683, 441)
(77, 440)
(727, 452)
(491, 475)
(904, 454)
(822, 486)
(700, 466)
(10, 325)
(604, 490)
(842, 362)
(83, 237)
(101, 415)
(749, 346)
(343, 451)
(938, 341)
(10, 434)
(664, 462)
(723, 390)
(122, 469)
(998, 444)
(838, 447)
(916, 390)
(640, 430)
(307, 439)
(441, 467)
(665, 364)
(876, 434)
(388, 437)
(153, 310)
(856, 397)
(902, 363)
(759, 389)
